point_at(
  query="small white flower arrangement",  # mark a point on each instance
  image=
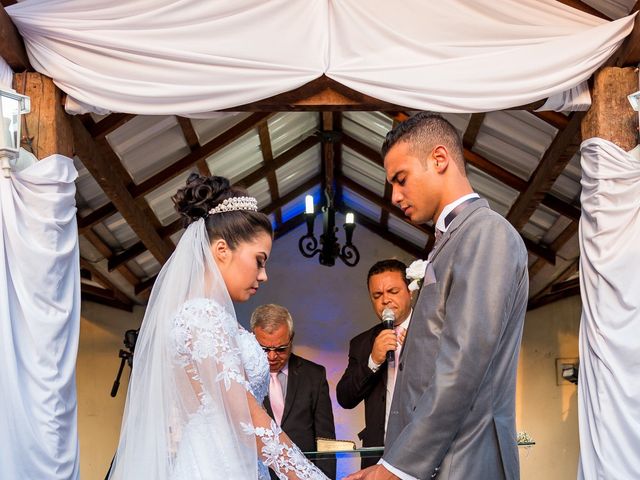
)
(524, 437)
(415, 273)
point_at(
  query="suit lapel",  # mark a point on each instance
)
(459, 220)
(292, 385)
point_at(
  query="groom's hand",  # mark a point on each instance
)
(376, 472)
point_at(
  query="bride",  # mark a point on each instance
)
(193, 408)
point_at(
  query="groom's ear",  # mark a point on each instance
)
(220, 250)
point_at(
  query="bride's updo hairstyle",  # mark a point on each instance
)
(201, 194)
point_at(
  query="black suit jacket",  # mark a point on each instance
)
(307, 408)
(359, 383)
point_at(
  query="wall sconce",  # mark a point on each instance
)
(570, 373)
(12, 105)
(330, 248)
(567, 371)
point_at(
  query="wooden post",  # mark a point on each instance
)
(47, 127)
(611, 116)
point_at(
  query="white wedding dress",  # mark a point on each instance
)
(194, 402)
(204, 332)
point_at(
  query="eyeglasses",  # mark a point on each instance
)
(280, 349)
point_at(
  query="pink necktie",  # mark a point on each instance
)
(398, 329)
(276, 398)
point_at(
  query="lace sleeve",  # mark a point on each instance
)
(210, 406)
(277, 451)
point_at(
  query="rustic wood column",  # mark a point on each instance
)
(611, 116)
(47, 128)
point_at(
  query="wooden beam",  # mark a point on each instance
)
(517, 183)
(96, 159)
(145, 285)
(279, 161)
(548, 295)
(473, 128)
(267, 158)
(129, 254)
(292, 195)
(553, 162)
(11, 44)
(201, 153)
(555, 246)
(562, 207)
(97, 216)
(89, 293)
(47, 127)
(107, 125)
(611, 116)
(321, 94)
(365, 150)
(191, 137)
(404, 244)
(555, 119)
(289, 225)
(105, 282)
(541, 251)
(106, 252)
(553, 297)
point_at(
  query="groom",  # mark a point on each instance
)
(453, 410)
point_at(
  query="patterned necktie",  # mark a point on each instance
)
(276, 397)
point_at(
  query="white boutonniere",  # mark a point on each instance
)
(415, 273)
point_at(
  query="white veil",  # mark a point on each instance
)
(162, 397)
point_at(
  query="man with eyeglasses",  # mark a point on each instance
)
(298, 390)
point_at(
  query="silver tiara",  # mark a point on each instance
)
(235, 203)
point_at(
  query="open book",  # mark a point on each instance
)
(331, 445)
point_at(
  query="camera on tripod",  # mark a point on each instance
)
(130, 339)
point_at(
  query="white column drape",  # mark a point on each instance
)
(191, 57)
(6, 74)
(39, 322)
(608, 387)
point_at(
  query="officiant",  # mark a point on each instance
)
(298, 390)
(369, 377)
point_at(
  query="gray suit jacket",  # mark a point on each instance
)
(453, 411)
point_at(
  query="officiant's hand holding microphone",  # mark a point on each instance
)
(387, 341)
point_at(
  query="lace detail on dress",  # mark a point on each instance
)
(255, 362)
(201, 330)
(286, 460)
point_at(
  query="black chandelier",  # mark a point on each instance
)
(329, 247)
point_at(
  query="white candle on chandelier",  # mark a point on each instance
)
(308, 202)
(349, 218)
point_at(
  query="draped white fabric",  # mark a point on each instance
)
(6, 74)
(188, 56)
(39, 322)
(608, 387)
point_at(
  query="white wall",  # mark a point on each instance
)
(99, 415)
(547, 411)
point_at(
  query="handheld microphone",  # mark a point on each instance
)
(388, 319)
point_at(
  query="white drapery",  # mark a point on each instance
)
(39, 322)
(187, 56)
(6, 74)
(608, 388)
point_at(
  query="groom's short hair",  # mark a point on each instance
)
(388, 265)
(271, 316)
